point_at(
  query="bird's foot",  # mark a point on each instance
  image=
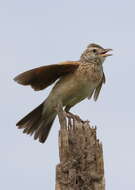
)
(72, 119)
(70, 116)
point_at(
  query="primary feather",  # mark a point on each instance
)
(41, 77)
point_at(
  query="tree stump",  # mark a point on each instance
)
(81, 156)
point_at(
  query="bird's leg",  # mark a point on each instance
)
(71, 115)
(74, 117)
(61, 115)
(69, 120)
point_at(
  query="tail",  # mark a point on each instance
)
(38, 122)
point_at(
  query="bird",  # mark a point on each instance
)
(73, 81)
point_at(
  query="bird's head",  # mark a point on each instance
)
(95, 53)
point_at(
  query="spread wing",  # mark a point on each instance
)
(97, 90)
(41, 77)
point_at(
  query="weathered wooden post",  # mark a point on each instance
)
(81, 156)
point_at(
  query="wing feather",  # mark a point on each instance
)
(97, 90)
(41, 77)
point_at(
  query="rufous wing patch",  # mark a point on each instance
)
(41, 77)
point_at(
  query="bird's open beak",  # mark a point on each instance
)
(105, 53)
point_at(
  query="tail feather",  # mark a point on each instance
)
(43, 130)
(38, 124)
(32, 128)
(27, 119)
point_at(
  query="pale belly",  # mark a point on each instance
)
(72, 89)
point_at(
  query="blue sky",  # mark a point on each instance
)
(35, 33)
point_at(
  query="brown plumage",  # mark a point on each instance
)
(77, 80)
(42, 77)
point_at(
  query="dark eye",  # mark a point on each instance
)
(94, 50)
